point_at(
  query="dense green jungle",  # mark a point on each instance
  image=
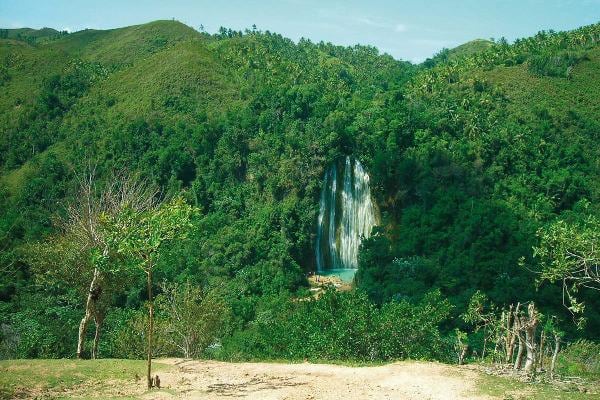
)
(484, 168)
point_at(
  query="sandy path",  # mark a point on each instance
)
(403, 380)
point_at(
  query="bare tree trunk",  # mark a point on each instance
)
(187, 348)
(98, 320)
(462, 354)
(82, 330)
(530, 344)
(531, 350)
(511, 348)
(519, 359)
(89, 310)
(150, 326)
(461, 350)
(541, 352)
(510, 335)
(516, 331)
(495, 354)
(554, 354)
(484, 344)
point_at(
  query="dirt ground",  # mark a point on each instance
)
(265, 381)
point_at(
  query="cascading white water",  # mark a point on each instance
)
(346, 215)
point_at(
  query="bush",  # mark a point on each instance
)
(581, 358)
(186, 322)
(191, 320)
(407, 330)
(128, 339)
(345, 326)
(40, 329)
(122, 337)
(559, 65)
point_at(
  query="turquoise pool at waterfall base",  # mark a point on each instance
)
(345, 274)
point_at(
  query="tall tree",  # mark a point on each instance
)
(141, 235)
(570, 252)
(84, 224)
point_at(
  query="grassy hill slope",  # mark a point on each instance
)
(469, 48)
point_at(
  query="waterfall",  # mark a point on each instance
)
(346, 215)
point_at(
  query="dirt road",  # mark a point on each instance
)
(403, 380)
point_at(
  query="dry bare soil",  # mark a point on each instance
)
(404, 380)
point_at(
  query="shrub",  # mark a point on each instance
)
(559, 65)
(581, 358)
(345, 326)
(186, 322)
(191, 320)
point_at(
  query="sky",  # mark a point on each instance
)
(408, 30)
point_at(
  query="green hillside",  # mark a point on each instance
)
(462, 51)
(469, 155)
(31, 35)
(470, 48)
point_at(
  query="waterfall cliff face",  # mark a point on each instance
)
(346, 215)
